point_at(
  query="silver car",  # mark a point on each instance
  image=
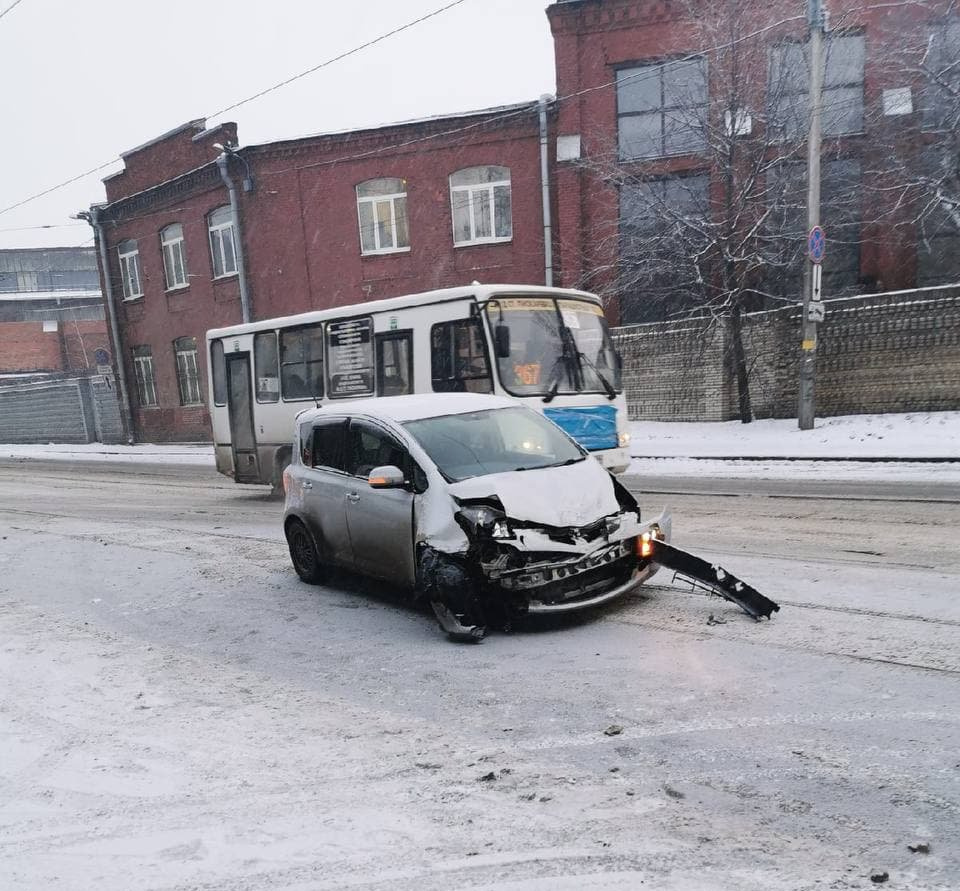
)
(476, 503)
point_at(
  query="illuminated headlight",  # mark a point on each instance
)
(501, 529)
(623, 440)
(485, 521)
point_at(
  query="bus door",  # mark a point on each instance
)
(246, 467)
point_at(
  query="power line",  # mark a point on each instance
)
(44, 226)
(343, 55)
(10, 7)
(642, 75)
(277, 86)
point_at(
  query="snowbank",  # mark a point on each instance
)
(201, 455)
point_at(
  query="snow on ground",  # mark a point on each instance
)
(854, 437)
(96, 451)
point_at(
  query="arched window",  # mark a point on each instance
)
(382, 208)
(223, 245)
(188, 374)
(129, 255)
(481, 205)
(174, 256)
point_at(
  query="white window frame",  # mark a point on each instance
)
(130, 270)
(373, 201)
(217, 232)
(188, 385)
(173, 250)
(471, 191)
(146, 381)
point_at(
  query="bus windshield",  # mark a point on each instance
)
(557, 346)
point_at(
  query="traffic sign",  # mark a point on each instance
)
(816, 244)
(815, 311)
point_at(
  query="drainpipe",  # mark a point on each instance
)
(93, 218)
(545, 185)
(223, 160)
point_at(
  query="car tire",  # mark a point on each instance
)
(303, 553)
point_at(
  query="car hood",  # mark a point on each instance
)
(574, 495)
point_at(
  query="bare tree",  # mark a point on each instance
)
(709, 167)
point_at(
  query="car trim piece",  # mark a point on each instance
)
(569, 606)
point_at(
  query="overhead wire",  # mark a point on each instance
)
(10, 8)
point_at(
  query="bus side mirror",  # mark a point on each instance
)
(501, 340)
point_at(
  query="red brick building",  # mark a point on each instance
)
(641, 111)
(659, 94)
(325, 221)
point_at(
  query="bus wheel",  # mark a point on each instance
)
(303, 553)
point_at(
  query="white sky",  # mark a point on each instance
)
(84, 80)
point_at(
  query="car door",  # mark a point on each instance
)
(381, 521)
(326, 485)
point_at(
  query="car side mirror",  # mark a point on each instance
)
(501, 340)
(386, 477)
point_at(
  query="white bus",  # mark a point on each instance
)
(547, 347)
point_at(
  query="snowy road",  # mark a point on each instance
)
(178, 711)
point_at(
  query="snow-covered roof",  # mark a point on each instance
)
(411, 408)
(50, 295)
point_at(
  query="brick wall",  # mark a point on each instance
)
(25, 346)
(894, 352)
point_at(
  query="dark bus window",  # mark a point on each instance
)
(458, 358)
(219, 369)
(395, 364)
(327, 444)
(266, 367)
(301, 362)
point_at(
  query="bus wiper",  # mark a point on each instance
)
(551, 394)
(611, 392)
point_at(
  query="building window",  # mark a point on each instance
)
(265, 360)
(188, 378)
(174, 256)
(941, 90)
(938, 245)
(663, 243)
(143, 370)
(787, 103)
(481, 203)
(222, 242)
(458, 358)
(130, 269)
(662, 109)
(382, 208)
(786, 228)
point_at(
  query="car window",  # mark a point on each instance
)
(370, 447)
(328, 451)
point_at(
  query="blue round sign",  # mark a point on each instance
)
(816, 244)
(101, 357)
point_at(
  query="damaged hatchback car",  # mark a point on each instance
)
(475, 503)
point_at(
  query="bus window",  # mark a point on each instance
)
(218, 368)
(395, 363)
(301, 362)
(266, 372)
(458, 358)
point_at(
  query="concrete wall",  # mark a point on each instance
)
(894, 352)
(60, 409)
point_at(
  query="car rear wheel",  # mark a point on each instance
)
(303, 553)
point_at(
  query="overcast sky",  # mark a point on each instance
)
(84, 81)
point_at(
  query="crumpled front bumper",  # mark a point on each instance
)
(537, 584)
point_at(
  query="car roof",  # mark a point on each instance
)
(410, 408)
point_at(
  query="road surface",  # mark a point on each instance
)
(178, 711)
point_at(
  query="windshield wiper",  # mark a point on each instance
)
(611, 392)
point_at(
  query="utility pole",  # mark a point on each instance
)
(811, 278)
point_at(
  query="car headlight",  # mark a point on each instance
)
(486, 521)
(623, 440)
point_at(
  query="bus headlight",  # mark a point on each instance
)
(623, 440)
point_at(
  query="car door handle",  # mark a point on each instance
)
(353, 496)
(307, 485)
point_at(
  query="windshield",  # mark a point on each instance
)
(556, 346)
(493, 441)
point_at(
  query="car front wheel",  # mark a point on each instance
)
(303, 553)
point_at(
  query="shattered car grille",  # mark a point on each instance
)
(545, 573)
